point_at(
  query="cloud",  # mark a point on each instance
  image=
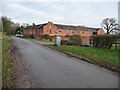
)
(80, 13)
(60, 1)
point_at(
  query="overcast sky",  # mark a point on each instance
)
(74, 12)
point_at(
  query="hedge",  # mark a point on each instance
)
(105, 41)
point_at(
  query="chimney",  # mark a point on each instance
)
(49, 22)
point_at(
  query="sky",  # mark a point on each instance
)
(69, 12)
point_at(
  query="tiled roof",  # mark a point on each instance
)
(66, 27)
(70, 27)
(36, 26)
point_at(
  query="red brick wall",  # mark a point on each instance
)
(65, 38)
(50, 29)
(85, 40)
(33, 31)
(62, 32)
(38, 31)
(85, 33)
(27, 31)
(101, 32)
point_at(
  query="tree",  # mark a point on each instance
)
(14, 26)
(6, 24)
(9, 27)
(110, 25)
(1, 25)
(19, 30)
(25, 25)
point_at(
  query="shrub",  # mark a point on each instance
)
(46, 36)
(50, 39)
(71, 42)
(64, 42)
(67, 35)
(75, 40)
(28, 36)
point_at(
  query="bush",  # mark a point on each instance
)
(67, 35)
(28, 36)
(104, 41)
(71, 42)
(75, 40)
(50, 39)
(46, 36)
(64, 42)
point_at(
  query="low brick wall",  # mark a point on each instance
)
(85, 40)
(65, 38)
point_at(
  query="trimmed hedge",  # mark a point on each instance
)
(104, 41)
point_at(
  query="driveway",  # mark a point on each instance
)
(48, 68)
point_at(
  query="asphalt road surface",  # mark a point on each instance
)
(48, 68)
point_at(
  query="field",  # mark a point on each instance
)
(100, 56)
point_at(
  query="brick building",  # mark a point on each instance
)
(63, 30)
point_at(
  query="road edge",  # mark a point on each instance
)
(21, 79)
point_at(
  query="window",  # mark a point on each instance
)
(94, 33)
(82, 32)
(50, 31)
(50, 27)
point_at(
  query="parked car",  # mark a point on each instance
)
(85, 45)
(19, 35)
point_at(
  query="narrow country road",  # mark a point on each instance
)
(48, 68)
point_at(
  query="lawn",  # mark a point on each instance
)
(100, 56)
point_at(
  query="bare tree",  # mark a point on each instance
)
(25, 24)
(110, 25)
(117, 28)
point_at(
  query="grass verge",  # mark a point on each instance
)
(107, 58)
(45, 41)
(7, 68)
(30, 39)
(48, 41)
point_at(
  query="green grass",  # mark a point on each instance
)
(48, 41)
(0, 61)
(113, 46)
(0, 35)
(6, 63)
(96, 55)
(30, 39)
(45, 41)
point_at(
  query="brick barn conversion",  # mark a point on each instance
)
(63, 30)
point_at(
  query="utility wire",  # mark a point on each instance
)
(27, 14)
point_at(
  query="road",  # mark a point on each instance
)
(48, 68)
